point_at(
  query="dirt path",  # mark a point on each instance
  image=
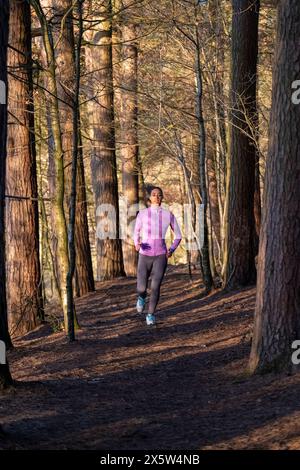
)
(180, 385)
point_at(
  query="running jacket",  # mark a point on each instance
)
(150, 231)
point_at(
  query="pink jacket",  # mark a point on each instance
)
(150, 231)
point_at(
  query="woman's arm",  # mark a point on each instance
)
(137, 230)
(178, 237)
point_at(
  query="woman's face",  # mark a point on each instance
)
(156, 197)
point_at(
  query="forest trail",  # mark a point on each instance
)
(123, 385)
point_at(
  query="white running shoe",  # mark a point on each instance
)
(150, 319)
(140, 305)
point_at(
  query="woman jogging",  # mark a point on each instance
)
(149, 240)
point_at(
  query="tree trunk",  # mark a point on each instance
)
(72, 200)
(239, 256)
(214, 201)
(103, 160)
(216, 160)
(195, 183)
(42, 147)
(45, 99)
(60, 226)
(207, 275)
(65, 60)
(128, 130)
(5, 377)
(24, 293)
(257, 200)
(192, 240)
(220, 103)
(143, 196)
(277, 313)
(84, 268)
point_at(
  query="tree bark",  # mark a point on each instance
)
(24, 293)
(192, 157)
(5, 377)
(60, 226)
(72, 201)
(102, 132)
(207, 275)
(239, 256)
(65, 60)
(216, 165)
(48, 262)
(257, 201)
(128, 130)
(277, 312)
(213, 215)
(84, 268)
(214, 201)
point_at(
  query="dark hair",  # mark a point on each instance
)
(156, 187)
(148, 189)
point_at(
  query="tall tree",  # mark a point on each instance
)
(214, 214)
(59, 225)
(217, 151)
(205, 262)
(5, 377)
(24, 294)
(128, 125)
(195, 39)
(277, 313)
(239, 256)
(102, 133)
(73, 194)
(65, 60)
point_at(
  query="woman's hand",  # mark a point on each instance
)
(137, 247)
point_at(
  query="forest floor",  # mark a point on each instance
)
(182, 384)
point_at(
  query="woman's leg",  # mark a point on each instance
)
(143, 273)
(157, 274)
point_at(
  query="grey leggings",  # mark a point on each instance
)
(156, 265)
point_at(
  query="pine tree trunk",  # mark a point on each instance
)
(84, 268)
(213, 200)
(195, 183)
(102, 132)
(257, 201)
(64, 54)
(277, 313)
(73, 194)
(5, 377)
(207, 275)
(59, 219)
(42, 147)
(216, 162)
(220, 106)
(239, 256)
(143, 197)
(128, 130)
(44, 99)
(24, 293)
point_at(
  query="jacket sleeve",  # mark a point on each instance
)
(137, 230)
(177, 233)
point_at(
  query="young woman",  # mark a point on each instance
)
(149, 240)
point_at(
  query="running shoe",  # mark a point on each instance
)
(140, 305)
(150, 319)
